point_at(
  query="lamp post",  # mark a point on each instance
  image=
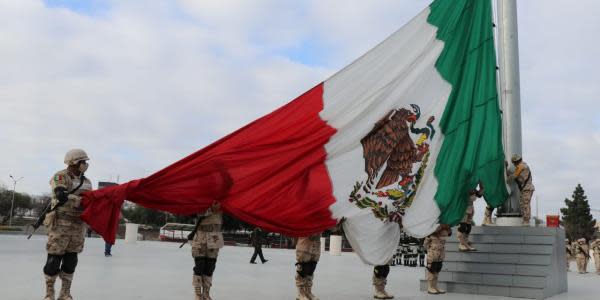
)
(12, 202)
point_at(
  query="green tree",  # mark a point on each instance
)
(141, 215)
(21, 205)
(576, 217)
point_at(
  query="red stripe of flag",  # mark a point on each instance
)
(270, 173)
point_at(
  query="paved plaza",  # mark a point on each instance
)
(160, 270)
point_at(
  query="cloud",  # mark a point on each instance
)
(141, 84)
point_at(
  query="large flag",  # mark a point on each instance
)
(398, 136)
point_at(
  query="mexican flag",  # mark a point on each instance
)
(398, 137)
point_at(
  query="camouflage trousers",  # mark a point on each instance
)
(597, 261)
(65, 236)
(310, 253)
(582, 262)
(525, 203)
(204, 251)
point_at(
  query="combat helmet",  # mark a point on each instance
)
(74, 156)
(516, 158)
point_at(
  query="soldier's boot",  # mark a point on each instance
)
(379, 285)
(50, 280)
(463, 245)
(309, 283)
(431, 288)
(197, 284)
(437, 288)
(302, 290)
(471, 248)
(206, 284)
(65, 288)
(487, 220)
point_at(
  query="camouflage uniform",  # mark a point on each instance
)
(487, 217)
(582, 254)
(435, 244)
(464, 228)
(595, 246)
(205, 249)
(308, 252)
(380, 274)
(522, 176)
(65, 228)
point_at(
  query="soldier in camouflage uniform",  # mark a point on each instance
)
(308, 252)
(435, 244)
(422, 253)
(522, 176)
(487, 217)
(205, 248)
(582, 254)
(464, 228)
(596, 248)
(65, 228)
(380, 274)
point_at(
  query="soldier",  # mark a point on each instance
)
(413, 253)
(487, 217)
(205, 248)
(65, 228)
(582, 254)
(569, 254)
(435, 244)
(308, 252)
(596, 248)
(464, 228)
(422, 253)
(522, 176)
(380, 274)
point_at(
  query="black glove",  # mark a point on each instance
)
(61, 194)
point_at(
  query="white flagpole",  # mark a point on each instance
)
(510, 95)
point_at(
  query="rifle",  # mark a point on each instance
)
(193, 233)
(48, 209)
(582, 251)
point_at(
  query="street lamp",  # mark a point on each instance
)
(12, 202)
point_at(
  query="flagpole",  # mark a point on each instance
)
(510, 95)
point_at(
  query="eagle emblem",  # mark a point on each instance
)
(395, 153)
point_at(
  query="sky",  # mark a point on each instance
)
(141, 84)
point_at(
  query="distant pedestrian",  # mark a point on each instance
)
(256, 238)
(107, 249)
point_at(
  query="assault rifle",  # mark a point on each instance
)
(48, 209)
(582, 251)
(193, 233)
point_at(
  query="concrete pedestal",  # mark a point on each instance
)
(335, 245)
(131, 233)
(523, 262)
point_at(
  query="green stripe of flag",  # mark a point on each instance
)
(472, 147)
